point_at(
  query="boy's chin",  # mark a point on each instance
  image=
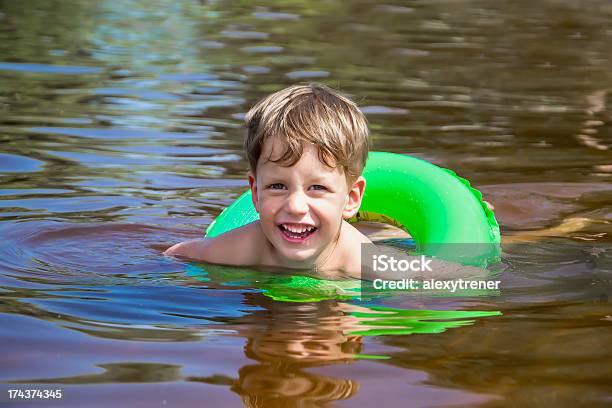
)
(299, 256)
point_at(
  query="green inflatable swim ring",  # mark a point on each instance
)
(432, 204)
(445, 216)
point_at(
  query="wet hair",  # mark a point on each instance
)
(313, 114)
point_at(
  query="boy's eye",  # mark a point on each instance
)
(276, 186)
(319, 187)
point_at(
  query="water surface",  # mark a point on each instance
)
(121, 133)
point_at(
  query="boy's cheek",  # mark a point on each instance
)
(265, 207)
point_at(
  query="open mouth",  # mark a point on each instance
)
(295, 232)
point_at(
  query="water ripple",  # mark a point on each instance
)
(48, 69)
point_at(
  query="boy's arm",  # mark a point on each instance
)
(195, 249)
(236, 247)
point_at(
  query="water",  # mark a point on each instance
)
(121, 132)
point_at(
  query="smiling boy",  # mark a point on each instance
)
(307, 146)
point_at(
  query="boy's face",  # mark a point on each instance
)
(301, 207)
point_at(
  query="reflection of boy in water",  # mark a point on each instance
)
(314, 345)
(288, 337)
(282, 382)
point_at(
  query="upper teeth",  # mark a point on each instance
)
(298, 230)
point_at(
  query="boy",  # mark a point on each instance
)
(307, 146)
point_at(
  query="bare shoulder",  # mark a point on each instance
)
(354, 236)
(348, 259)
(236, 247)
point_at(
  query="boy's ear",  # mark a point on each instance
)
(253, 187)
(355, 194)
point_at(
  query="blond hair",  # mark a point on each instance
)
(313, 114)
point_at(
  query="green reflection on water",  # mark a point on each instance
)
(368, 320)
(389, 321)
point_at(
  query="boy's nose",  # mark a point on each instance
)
(297, 203)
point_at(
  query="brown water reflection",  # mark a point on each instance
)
(286, 339)
(536, 353)
(289, 340)
(283, 342)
